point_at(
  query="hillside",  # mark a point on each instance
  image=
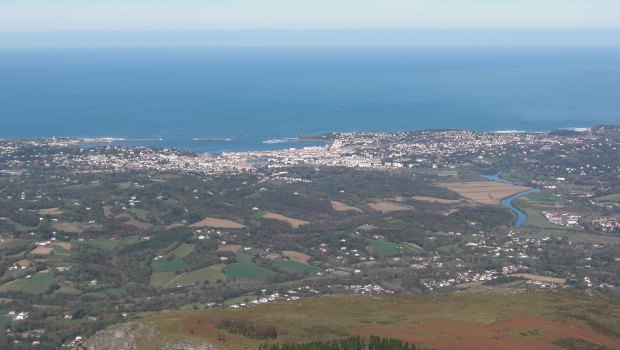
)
(525, 320)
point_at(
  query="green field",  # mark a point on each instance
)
(414, 247)
(295, 266)
(246, 270)
(61, 251)
(171, 280)
(183, 250)
(242, 257)
(211, 273)
(139, 213)
(165, 265)
(4, 319)
(37, 284)
(67, 290)
(546, 197)
(536, 219)
(160, 279)
(380, 247)
(518, 176)
(111, 244)
(244, 267)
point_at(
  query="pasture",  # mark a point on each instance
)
(49, 211)
(295, 266)
(246, 270)
(297, 256)
(111, 244)
(41, 250)
(547, 197)
(338, 206)
(37, 284)
(381, 247)
(170, 280)
(129, 220)
(228, 248)
(75, 227)
(166, 265)
(217, 223)
(387, 207)
(485, 192)
(295, 223)
(183, 250)
(436, 200)
(540, 278)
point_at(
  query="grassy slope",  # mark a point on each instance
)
(527, 320)
(171, 280)
(378, 247)
(295, 266)
(165, 265)
(37, 284)
(245, 268)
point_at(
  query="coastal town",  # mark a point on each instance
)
(446, 150)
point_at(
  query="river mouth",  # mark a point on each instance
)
(507, 202)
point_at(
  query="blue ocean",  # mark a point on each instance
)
(232, 99)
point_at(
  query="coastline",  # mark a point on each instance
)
(216, 144)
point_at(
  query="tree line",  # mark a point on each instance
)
(351, 343)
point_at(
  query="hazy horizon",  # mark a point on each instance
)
(411, 37)
(76, 15)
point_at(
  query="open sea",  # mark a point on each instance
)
(232, 99)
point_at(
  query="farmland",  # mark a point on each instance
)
(381, 247)
(229, 248)
(217, 223)
(111, 244)
(387, 207)
(246, 270)
(168, 265)
(339, 206)
(437, 200)
(485, 192)
(183, 250)
(297, 256)
(211, 274)
(294, 266)
(36, 284)
(42, 250)
(295, 223)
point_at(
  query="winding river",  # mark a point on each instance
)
(507, 202)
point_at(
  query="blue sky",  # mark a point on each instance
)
(194, 15)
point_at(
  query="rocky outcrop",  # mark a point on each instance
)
(188, 345)
(135, 336)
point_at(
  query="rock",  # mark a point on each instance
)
(134, 336)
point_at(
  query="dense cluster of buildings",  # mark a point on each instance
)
(447, 149)
(563, 219)
(606, 224)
